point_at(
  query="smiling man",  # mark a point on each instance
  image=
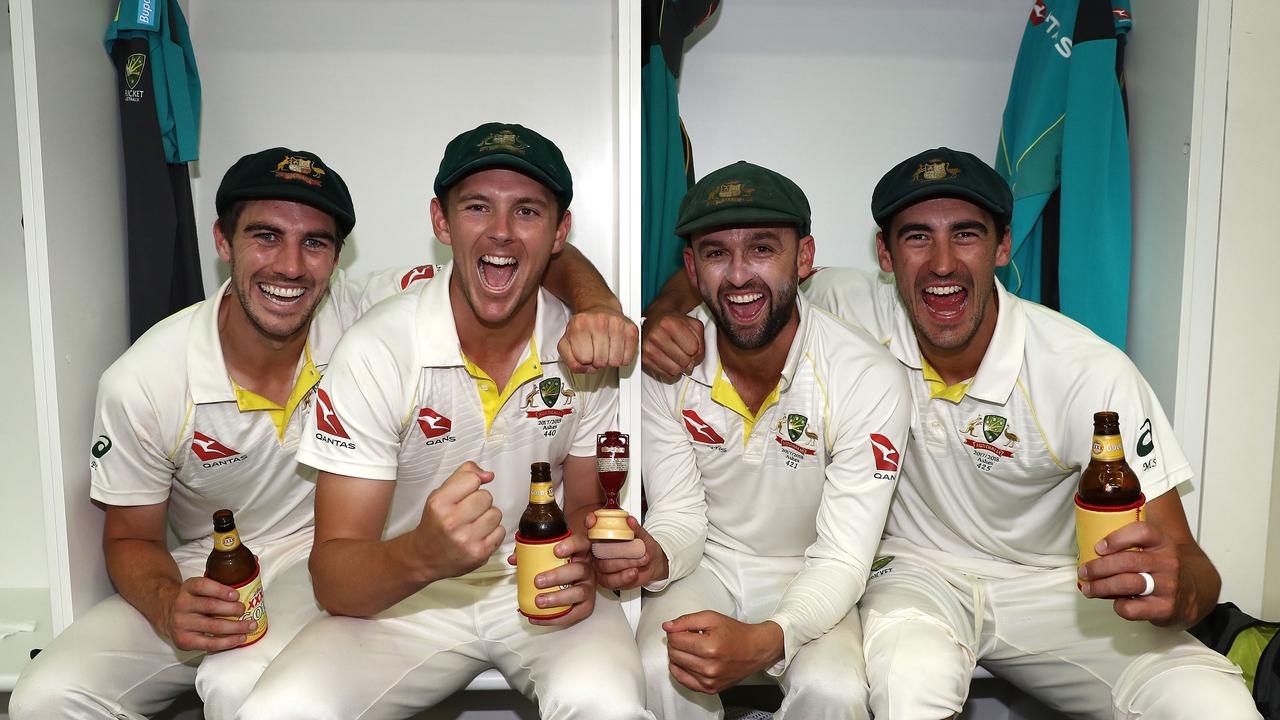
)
(204, 413)
(425, 426)
(978, 562)
(199, 415)
(768, 470)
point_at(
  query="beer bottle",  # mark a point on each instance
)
(231, 564)
(1109, 496)
(541, 526)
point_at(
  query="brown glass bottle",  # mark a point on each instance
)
(541, 526)
(542, 519)
(233, 565)
(1109, 495)
(1108, 481)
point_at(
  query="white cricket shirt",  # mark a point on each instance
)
(994, 462)
(399, 403)
(804, 485)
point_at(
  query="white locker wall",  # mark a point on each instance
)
(377, 89)
(835, 92)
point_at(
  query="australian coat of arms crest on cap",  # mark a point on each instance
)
(935, 169)
(730, 192)
(503, 140)
(294, 167)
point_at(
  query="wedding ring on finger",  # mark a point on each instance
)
(1150, 586)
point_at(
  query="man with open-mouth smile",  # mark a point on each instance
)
(768, 470)
(204, 412)
(435, 405)
(978, 561)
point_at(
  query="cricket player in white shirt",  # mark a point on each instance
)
(978, 563)
(768, 470)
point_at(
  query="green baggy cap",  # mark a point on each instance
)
(742, 194)
(509, 146)
(941, 172)
(284, 174)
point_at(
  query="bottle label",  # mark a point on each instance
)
(540, 493)
(226, 541)
(1094, 523)
(1107, 448)
(534, 557)
(250, 592)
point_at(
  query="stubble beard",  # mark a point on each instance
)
(782, 305)
(242, 295)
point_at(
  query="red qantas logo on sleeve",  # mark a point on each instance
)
(206, 448)
(422, 272)
(433, 424)
(699, 430)
(886, 454)
(326, 419)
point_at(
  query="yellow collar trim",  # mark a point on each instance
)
(491, 400)
(723, 392)
(938, 388)
(308, 377)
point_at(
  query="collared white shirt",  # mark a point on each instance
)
(994, 465)
(168, 425)
(399, 403)
(806, 483)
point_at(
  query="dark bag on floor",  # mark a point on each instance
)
(1252, 644)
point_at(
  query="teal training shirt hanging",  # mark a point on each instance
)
(667, 158)
(175, 78)
(159, 94)
(1064, 150)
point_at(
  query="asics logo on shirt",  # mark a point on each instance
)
(1145, 444)
(886, 454)
(326, 419)
(433, 424)
(207, 449)
(699, 430)
(422, 272)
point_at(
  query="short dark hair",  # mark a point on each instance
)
(230, 218)
(1000, 224)
(561, 205)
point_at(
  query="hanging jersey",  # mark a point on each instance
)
(1064, 151)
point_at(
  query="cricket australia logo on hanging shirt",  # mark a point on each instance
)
(134, 65)
(989, 440)
(799, 440)
(213, 453)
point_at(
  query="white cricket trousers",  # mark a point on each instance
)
(929, 618)
(111, 664)
(825, 680)
(418, 652)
